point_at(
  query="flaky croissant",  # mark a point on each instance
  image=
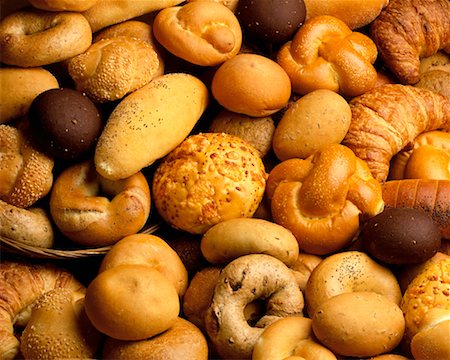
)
(388, 118)
(408, 30)
(21, 284)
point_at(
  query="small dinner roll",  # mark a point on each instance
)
(204, 33)
(290, 336)
(89, 218)
(349, 271)
(32, 38)
(251, 84)
(151, 250)
(19, 88)
(131, 302)
(183, 340)
(63, 5)
(359, 324)
(59, 328)
(232, 238)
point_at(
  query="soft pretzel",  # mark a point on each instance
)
(21, 284)
(408, 30)
(242, 281)
(90, 219)
(31, 38)
(202, 32)
(320, 199)
(388, 118)
(326, 54)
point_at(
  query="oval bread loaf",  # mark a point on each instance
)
(149, 123)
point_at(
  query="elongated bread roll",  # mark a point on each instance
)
(149, 123)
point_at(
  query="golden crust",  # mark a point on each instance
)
(208, 178)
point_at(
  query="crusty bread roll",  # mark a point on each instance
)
(59, 328)
(113, 67)
(21, 284)
(231, 4)
(354, 13)
(204, 33)
(151, 250)
(149, 123)
(437, 81)
(26, 173)
(251, 84)
(131, 302)
(109, 12)
(63, 5)
(19, 88)
(182, 341)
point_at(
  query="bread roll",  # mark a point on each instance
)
(149, 123)
(19, 88)
(63, 5)
(354, 13)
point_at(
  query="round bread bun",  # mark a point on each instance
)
(290, 336)
(359, 324)
(131, 302)
(349, 271)
(19, 88)
(208, 178)
(231, 4)
(26, 173)
(182, 340)
(204, 33)
(59, 328)
(199, 295)
(232, 238)
(316, 120)
(251, 84)
(256, 131)
(87, 217)
(150, 250)
(354, 13)
(27, 40)
(63, 5)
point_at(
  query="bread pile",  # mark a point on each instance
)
(295, 154)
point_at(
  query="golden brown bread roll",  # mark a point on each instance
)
(389, 117)
(114, 67)
(437, 61)
(63, 5)
(26, 173)
(59, 328)
(354, 13)
(408, 30)
(428, 158)
(231, 4)
(93, 211)
(106, 12)
(21, 284)
(204, 33)
(437, 81)
(326, 54)
(303, 267)
(19, 88)
(432, 196)
(149, 123)
(321, 199)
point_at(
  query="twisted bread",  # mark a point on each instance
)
(21, 285)
(408, 30)
(389, 117)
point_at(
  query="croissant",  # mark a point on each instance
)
(21, 284)
(408, 30)
(388, 118)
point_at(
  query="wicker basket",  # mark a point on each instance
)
(18, 248)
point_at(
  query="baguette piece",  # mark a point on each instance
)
(149, 123)
(433, 196)
(21, 284)
(388, 118)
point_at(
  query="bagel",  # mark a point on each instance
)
(90, 219)
(346, 272)
(31, 38)
(290, 336)
(241, 282)
(232, 238)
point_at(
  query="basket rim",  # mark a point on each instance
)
(20, 248)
